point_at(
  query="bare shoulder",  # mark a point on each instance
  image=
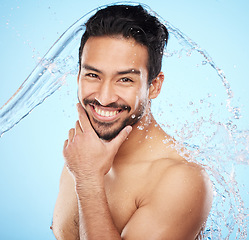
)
(187, 173)
(180, 179)
(175, 203)
(178, 202)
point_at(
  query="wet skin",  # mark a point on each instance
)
(133, 186)
(113, 87)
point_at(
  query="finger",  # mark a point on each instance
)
(83, 119)
(71, 134)
(78, 129)
(65, 144)
(120, 138)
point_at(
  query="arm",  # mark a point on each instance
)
(88, 159)
(65, 217)
(94, 215)
(176, 209)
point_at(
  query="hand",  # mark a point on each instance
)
(86, 155)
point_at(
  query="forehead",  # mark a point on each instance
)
(115, 52)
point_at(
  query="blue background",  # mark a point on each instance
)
(30, 154)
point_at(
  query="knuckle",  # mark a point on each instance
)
(77, 138)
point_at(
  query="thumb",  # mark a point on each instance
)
(120, 138)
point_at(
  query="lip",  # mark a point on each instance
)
(113, 115)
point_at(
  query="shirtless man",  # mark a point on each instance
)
(123, 182)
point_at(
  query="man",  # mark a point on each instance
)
(123, 178)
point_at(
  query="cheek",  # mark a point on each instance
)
(137, 100)
(139, 96)
(142, 96)
(84, 90)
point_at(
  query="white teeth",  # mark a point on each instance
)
(97, 111)
(105, 113)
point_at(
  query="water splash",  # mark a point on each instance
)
(48, 76)
(206, 125)
(206, 122)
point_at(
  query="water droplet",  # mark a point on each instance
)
(185, 132)
(236, 112)
(140, 127)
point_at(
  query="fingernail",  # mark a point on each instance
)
(128, 129)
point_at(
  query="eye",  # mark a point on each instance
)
(126, 80)
(92, 75)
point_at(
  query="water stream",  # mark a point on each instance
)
(206, 122)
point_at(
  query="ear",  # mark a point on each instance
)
(156, 85)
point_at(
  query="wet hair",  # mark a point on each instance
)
(130, 21)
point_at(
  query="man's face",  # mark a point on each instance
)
(113, 83)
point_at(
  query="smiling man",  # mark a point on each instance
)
(123, 178)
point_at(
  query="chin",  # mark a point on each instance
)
(109, 133)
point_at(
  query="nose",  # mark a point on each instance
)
(106, 94)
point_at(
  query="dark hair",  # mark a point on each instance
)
(130, 21)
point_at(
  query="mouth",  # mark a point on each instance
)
(105, 113)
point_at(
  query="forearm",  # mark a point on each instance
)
(95, 221)
(89, 158)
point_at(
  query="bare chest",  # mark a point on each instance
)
(121, 197)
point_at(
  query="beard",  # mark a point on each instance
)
(109, 130)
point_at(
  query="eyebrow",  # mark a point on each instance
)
(88, 67)
(131, 70)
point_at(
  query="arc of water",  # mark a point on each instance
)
(59, 61)
(51, 71)
(45, 79)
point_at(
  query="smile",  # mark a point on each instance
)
(105, 114)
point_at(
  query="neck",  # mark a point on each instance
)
(143, 136)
